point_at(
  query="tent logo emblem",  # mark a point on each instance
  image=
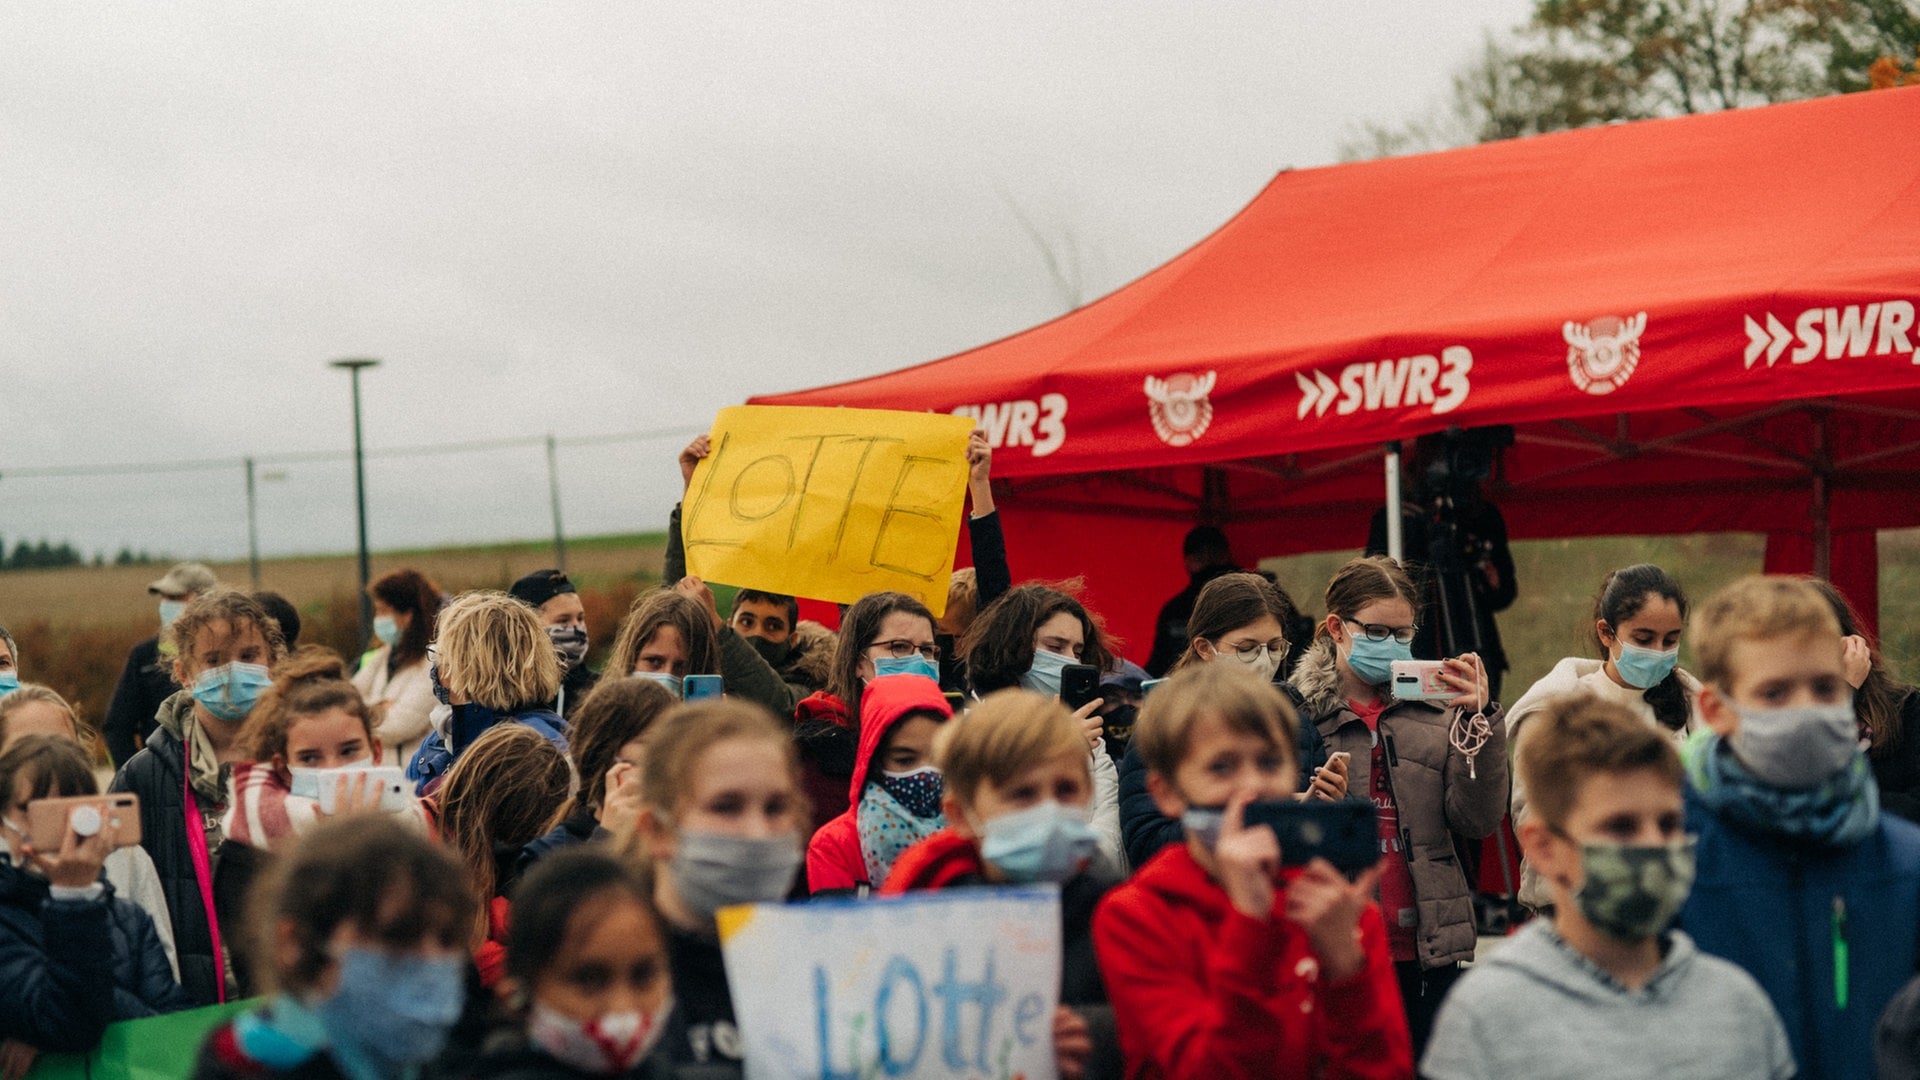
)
(1179, 407)
(1602, 354)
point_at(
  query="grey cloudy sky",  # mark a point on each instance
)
(587, 218)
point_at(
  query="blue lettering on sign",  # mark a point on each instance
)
(897, 1051)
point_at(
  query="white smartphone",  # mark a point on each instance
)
(396, 794)
(1419, 680)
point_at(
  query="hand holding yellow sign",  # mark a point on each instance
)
(830, 504)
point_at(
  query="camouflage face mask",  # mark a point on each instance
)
(1631, 891)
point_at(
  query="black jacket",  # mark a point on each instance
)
(1170, 629)
(57, 985)
(575, 688)
(1145, 830)
(509, 1056)
(158, 775)
(145, 682)
(1896, 765)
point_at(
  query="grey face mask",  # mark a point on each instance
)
(1797, 748)
(1631, 891)
(571, 643)
(713, 870)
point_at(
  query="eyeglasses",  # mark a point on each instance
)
(1250, 651)
(1376, 632)
(901, 648)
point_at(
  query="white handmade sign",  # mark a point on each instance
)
(958, 984)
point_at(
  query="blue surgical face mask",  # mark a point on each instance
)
(1044, 675)
(230, 690)
(1046, 842)
(394, 1012)
(906, 665)
(386, 630)
(1643, 669)
(170, 610)
(1373, 660)
(664, 678)
(9, 682)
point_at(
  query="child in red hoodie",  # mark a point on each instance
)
(896, 790)
(1219, 965)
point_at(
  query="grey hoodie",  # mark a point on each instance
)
(1536, 1010)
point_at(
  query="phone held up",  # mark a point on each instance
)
(1419, 680)
(700, 687)
(1345, 833)
(1079, 684)
(48, 820)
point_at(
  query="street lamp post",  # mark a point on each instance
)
(353, 366)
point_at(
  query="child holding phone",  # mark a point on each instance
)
(1218, 961)
(311, 731)
(73, 957)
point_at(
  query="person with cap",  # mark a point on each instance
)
(146, 681)
(1207, 557)
(1122, 690)
(552, 596)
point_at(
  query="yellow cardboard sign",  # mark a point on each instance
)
(829, 504)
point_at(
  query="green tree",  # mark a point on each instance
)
(1576, 63)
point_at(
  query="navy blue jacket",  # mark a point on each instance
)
(1144, 830)
(1786, 912)
(69, 967)
(430, 763)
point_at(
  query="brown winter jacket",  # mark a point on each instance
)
(1431, 786)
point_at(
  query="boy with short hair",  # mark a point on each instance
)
(1602, 989)
(1218, 963)
(1802, 881)
(1017, 795)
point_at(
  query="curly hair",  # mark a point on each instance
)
(232, 608)
(998, 648)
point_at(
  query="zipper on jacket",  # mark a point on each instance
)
(1840, 953)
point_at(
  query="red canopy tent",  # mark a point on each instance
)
(1697, 324)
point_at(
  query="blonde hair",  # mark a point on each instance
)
(963, 599)
(1755, 608)
(1003, 736)
(506, 790)
(1579, 736)
(31, 693)
(682, 735)
(664, 607)
(493, 651)
(1246, 704)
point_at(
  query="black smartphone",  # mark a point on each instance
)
(1079, 684)
(1345, 833)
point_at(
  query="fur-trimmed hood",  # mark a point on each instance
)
(811, 664)
(1317, 680)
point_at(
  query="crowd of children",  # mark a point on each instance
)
(1720, 879)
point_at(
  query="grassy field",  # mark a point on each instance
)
(74, 626)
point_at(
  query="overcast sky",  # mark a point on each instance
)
(588, 218)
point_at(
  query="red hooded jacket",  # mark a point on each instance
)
(834, 860)
(1201, 991)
